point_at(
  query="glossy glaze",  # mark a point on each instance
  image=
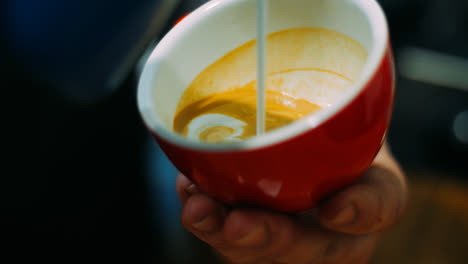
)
(293, 175)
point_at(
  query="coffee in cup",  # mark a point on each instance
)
(307, 70)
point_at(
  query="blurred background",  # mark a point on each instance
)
(105, 191)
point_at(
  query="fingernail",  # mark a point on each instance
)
(192, 189)
(256, 237)
(206, 224)
(345, 216)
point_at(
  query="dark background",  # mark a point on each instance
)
(105, 192)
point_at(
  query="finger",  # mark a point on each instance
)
(374, 204)
(204, 217)
(330, 247)
(354, 250)
(256, 236)
(185, 188)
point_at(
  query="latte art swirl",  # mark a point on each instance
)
(216, 128)
(231, 116)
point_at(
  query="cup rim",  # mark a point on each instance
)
(380, 38)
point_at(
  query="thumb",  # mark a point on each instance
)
(374, 204)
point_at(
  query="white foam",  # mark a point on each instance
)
(204, 122)
(318, 87)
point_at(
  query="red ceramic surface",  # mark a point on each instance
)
(293, 175)
(293, 169)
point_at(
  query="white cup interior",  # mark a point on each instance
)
(220, 26)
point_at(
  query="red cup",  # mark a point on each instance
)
(289, 169)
